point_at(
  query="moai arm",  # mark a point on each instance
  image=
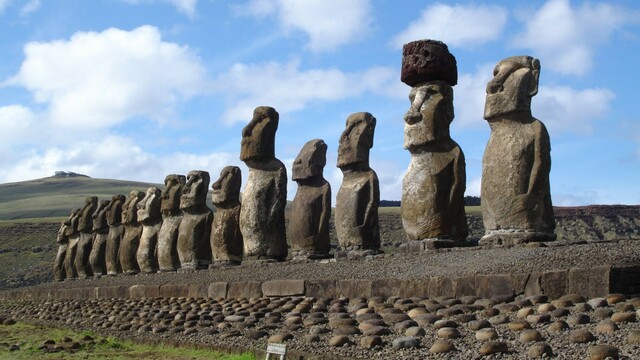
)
(373, 198)
(326, 215)
(279, 196)
(542, 158)
(459, 176)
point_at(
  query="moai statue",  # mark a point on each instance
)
(311, 209)
(226, 238)
(97, 258)
(265, 195)
(62, 239)
(71, 232)
(150, 217)
(356, 218)
(116, 232)
(194, 233)
(433, 186)
(516, 199)
(171, 218)
(85, 228)
(132, 231)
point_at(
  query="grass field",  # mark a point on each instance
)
(395, 210)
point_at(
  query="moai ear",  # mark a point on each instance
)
(535, 77)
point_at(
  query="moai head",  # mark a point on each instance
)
(72, 222)
(194, 192)
(172, 192)
(61, 237)
(114, 210)
(310, 161)
(130, 209)
(356, 140)
(514, 83)
(430, 114)
(85, 223)
(258, 137)
(99, 222)
(149, 206)
(226, 189)
(428, 60)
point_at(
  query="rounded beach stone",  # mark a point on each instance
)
(487, 334)
(441, 346)
(340, 340)
(499, 319)
(310, 338)
(540, 349)
(524, 312)
(518, 325)
(415, 331)
(623, 317)
(539, 319)
(581, 336)
(634, 337)
(494, 347)
(346, 330)
(406, 342)
(558, 313)
(602, 313)
(615, 298)
(377, 330)
(582, 308)
(606, 326)
(445, 323)
(530, 335)
(417, 311)
(597, 302)
(602, 352)
(280, 338)
(448, 333)
(578, 319)
(546, 307)
(368, 342)
(479, 324)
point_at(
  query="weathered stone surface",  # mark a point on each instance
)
(406, 342)
(353, 288)
(226, 237)
(308, 228)
(590, 282)
(62, 266)
(144, 291)
(265, 194)
(172, 290)
(116, 232)
(554, 283)
(217, 290)
(581, 336)
(428, 60)
(442, 346)
(244, 289)
(168, 259)
(283, 288)
(602, 352)
(132, 231)
(194, 233)
(150, 217)
(100, 229)
(540, 349)
(356, 218)
(494, 347)
(516, 199)
(85, 228)
(321, 288)
(494, 285)
(112, 292)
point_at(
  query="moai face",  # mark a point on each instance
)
(129, 209)
(99, 221)
(114, 210)
(149, 206)
(430, 114)
(514, 83)
(258, 137)
(227, 188)
(356, 139)
(172, 192)
(195, 190)
(310, 161)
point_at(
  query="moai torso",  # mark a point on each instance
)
(194, 247)
(62, 239)
(265, 195)
(132, 231)
(71, 232)
(97, 258)
(85, 243)
(516, 199)
(116, 232)
(151, 219)
(226, 237)
(171, 218)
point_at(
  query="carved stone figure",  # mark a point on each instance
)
(62, 239)
(116, 232)
(71, 232)
(356, 218)
(311, 208)
(194, 246)
(151, 219)
(265, 195)
(516, 199)
(85, 228)
(226, 238)
(433, 186)
(132, 231)
(171, 217)
(100, 229)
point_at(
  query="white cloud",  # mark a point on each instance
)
(186, 7)
(469, 97)
(29, 7)
(566, 37)
(3, 5)
(457, 25)
(473, 187)
(96, 80)
(15, 122)
(328, 23)
(288, 88)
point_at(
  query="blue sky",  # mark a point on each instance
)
(137, 89)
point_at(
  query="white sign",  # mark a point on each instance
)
(276, 349)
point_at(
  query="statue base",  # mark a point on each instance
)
(306, 255)
(356, 252)
(224, 264)
(510, 237)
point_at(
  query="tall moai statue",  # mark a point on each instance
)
(356, 218)
(433, 188)
(171, 218)
(100, 228)
(265, 195)
(516, 198)
(194, 247)
(132, 232)
(150, 217)
(62, 239)
(85, 228)
(311, 209)
(226, 238)
(71, 232)
(116, 233)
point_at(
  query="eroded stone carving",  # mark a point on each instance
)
(226, 238)
(516, 199)
(71, 232)
(194, 247)
(311, 208)
(356, 218)
(85, 228)
(132, 231)
(151, 219)
(62, 239)
(100, 228)
(116, 232)
(265, 195)
(433, 187)
(171, 218)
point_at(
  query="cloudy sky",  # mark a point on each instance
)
(137, 89)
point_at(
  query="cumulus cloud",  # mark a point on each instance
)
(97, 80)
(288, 88)
(566, 37)
(29, 7)
(328, 23)
(457, 25)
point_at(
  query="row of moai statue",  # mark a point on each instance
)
(164, 231)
